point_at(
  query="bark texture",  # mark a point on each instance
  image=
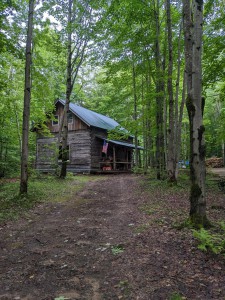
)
(135, 113)
(193, 52)
(76, 44)
(160, 91)
(27, 97)
(171, 159)
(69, 88)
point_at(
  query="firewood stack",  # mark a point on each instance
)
(214, 162)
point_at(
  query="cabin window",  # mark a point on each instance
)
(67, 153)
(70, 117)
(55, 121)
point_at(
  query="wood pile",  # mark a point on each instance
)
(214, 162)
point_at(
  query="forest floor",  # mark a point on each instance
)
(118, 238)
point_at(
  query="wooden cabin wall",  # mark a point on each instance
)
(96, 146)
(46, 153)
(79, 142)
(76, 124)
(80, 150)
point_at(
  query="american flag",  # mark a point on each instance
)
(105, 147)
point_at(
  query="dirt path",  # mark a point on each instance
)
(218, 171)
(96, 247)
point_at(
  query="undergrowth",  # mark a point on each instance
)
(176, 296)
(211, 241)
(168, 205)
(42, 189)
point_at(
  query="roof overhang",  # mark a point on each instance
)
(73, 111)
(94, 119)
(120, 143)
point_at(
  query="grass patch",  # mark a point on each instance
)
(176, 296)
(124, 287)
(43, 189)
(117, 249)
(149, 209)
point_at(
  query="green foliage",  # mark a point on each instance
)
(176, 296)
(122, 34)
(118, 133)
(184, 224)
(138, 170)
(117, 249)
(214, 242)
(125, 287)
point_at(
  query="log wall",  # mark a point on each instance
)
(96, 146)
(79, 142)
(76, 124)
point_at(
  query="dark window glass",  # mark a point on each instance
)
(67, 153)
(56, 120)
(69, 117)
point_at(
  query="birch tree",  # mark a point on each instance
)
(176, 107)
(193, 28)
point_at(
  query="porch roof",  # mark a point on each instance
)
(120, 143)
(124, 144)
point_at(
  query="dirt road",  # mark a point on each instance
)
(100, 245)
(218, 171)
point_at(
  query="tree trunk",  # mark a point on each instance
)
(179, 126)
(223, 152)
(193, 51)
(135, 114)
(179, 113)
(68, 94)
(147, 126)
(75, 57)
(171, 162)
(27, 97)
(160, 161)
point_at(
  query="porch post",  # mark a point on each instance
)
(114, 158)
(127, 158)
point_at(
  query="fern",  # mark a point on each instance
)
(209, 241)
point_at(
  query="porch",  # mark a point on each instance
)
(116, 156)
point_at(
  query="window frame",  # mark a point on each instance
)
(60, 153)
(69, 117)
(54, 121)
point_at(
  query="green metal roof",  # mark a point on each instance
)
(124, 144)
(120, 143)
(92, 118)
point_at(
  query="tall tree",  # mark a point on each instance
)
(27, 97)
(160, 92)
(171, 162)
(173, 90)
(78, 34)
(69, 88)
(195, 106)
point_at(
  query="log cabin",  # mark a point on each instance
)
(89, 149)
